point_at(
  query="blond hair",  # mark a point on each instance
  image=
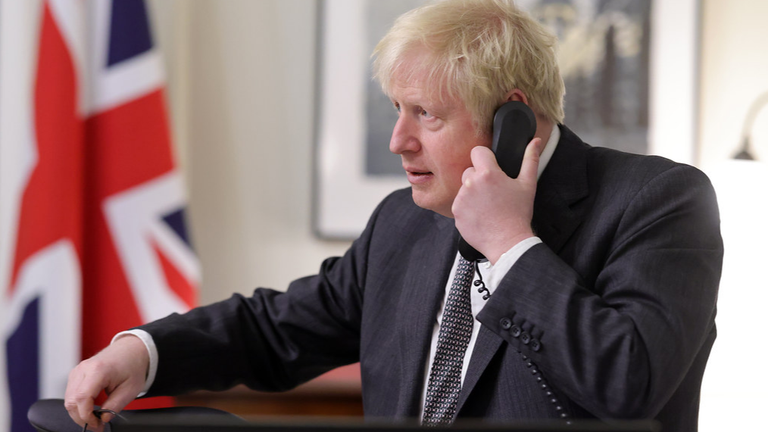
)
(478, 51)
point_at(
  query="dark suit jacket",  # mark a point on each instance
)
(611, 317)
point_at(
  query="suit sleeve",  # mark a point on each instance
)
(620, 345)
(270, 341)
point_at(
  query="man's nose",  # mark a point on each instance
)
(403, 137)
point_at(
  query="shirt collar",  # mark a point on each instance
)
(546, 155)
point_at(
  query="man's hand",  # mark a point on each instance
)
(120, 370)
(493, 212)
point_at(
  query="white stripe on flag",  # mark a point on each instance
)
(53, 275)
(131, 216)
(19, 28)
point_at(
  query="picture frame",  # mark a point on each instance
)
(345, 193)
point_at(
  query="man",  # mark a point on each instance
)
(597, 299)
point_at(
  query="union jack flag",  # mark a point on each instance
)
(92, 229)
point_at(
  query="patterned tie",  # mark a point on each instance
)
(455, 330)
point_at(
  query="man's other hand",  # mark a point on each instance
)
(120, 370)
(493, 212)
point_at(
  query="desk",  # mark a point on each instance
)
(337, 393)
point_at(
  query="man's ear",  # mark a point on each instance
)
(516, 95)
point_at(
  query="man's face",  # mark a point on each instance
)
(434, 140)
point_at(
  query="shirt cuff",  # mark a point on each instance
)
(507, 260)
(149, 343)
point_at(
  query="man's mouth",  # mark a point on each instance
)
(416, 176)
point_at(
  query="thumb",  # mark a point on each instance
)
(117, 400)
(483, 159)
(530, 168)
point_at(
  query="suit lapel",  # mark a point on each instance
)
(555, 217)
(425, 283)
(486, 346)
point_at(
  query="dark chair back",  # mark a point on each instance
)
(49, 415)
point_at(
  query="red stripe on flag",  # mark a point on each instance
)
(51, 203)
(176, 281)
(126, 146)
(108, 303)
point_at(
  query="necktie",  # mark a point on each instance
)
(444, 382)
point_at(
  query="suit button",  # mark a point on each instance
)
(535, 344)
(525, 338)
(506, 323)
(515, 331)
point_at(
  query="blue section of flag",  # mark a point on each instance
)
(129, 33)
(23, 348)
(178, 222)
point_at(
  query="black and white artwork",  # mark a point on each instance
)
(604, 53)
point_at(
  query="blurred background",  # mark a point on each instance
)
(242, 87)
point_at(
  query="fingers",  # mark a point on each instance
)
(467, 175)
(79, 397)
(117, 400)
(483, 159)
(119, 370)
(106, 417)
(82, 391)
(85, 384)
(530, 168)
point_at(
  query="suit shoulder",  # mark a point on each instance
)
(630, 163)
(615, 172)
(616, 166)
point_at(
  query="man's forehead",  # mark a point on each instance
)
(420, 83)
(406, 84)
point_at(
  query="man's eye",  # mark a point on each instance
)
(425, 114)
(397, 106)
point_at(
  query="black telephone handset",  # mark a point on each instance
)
(514, 126)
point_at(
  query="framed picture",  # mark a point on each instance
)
(630, 69)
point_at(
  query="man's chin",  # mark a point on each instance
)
(429, 202)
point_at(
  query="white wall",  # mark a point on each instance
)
(734, 72)
(241, 77)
